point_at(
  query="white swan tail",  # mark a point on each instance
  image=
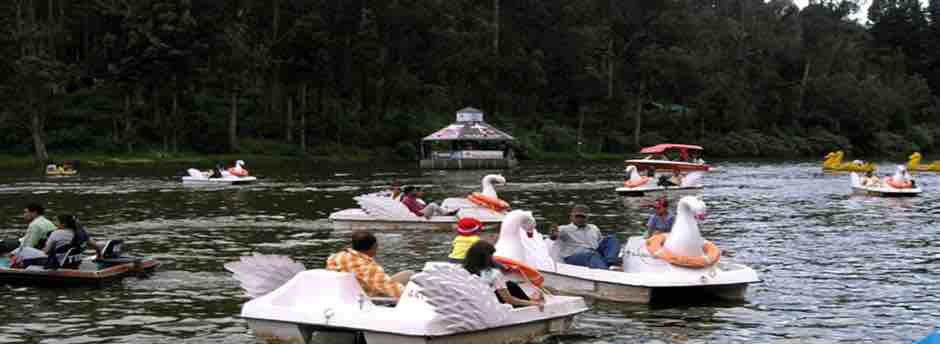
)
(262, 274)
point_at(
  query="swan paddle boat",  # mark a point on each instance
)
(379, 212)
(833, 162)
(914, 164)
(899, 185)
(442, 304)
(95, 271)
(237, 175)
(637, 185)
(681, 263)
(658, 160)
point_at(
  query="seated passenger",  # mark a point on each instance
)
(394, 191)
(69, 237)
(479, 261)
(21, 257)
(871, 180)
(418, 208)
(359, 260)
(580, 243)
(468, 233)
(661, 221)
(39, 227)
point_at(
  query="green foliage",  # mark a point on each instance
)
(371, 78)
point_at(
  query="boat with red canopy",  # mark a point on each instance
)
(671, 157)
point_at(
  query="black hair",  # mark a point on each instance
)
(36, 208)
(362, 241)
(79, 236)
(69, 221)
(479, 257)
(409, 189)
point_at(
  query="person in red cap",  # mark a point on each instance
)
(468, 233)
(661, 221)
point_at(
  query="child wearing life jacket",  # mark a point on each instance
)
(468, 233)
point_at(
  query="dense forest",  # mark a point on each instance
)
(742, 77)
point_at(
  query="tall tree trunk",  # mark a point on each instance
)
(303, 117)
(233, 123)
(39, 143)
(639, 122)
(171, 123)
(799, 104)
(580, 127)
(496, 27)
(289, 121)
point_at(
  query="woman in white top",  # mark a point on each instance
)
(479, 261)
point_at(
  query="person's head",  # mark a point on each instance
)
(32, 211)
(68, 222)
(469, 226)
(7, 246)
(869, 174)
(396, 186)
(419, 192)
(479, 257)
(579, 214)
(365, 242)
(651, 172)
(662, 206)
(410, 191)
(676, 173)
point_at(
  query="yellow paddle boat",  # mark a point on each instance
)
(834, 162)
(60, 171)
(914, 164)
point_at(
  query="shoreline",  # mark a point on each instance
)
(106, 160)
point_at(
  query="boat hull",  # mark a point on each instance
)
(61, 174)
(885, 192)
(267, 331)
(665, 165)
(87, 274)
(625, 293)
(219, 181)
(356, 219)
(641, 191)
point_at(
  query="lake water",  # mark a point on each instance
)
(835, 267)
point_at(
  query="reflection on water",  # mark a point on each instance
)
(835, 267)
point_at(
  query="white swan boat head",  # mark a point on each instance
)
(642, 275)
(443, 302)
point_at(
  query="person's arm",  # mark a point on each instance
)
(508, 298)
(381, 282)
(94, 245)
(50, 244)
(32, 237)
(649, 224)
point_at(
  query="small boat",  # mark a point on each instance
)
(646, 275)
(657, 158)
(92, 271)
(53, 170)
(833, 162)
(441, 304)
(380, 212)
(899, 185)
(637, 185)
(914, 164)
(197, 177)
